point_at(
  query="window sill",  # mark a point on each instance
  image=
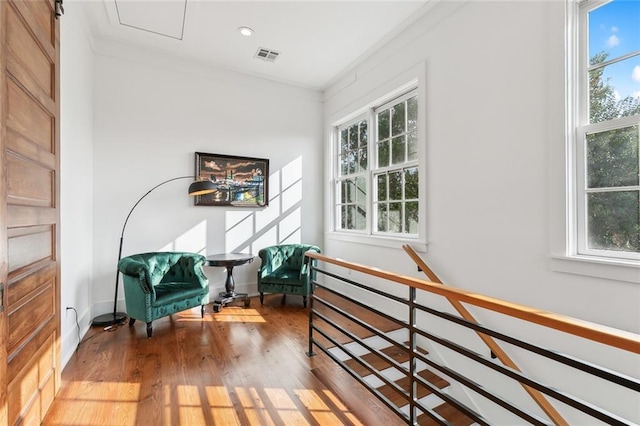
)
(396, 243)
(619, 270)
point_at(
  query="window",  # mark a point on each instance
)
(352, 180)
(396, 175)
(379, 196)
(607, 117)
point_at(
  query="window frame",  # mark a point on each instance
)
(377, 170)
(563, 157)
(338, 178)
(368, 235)
(582, 128)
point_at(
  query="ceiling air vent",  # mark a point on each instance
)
(267, 54)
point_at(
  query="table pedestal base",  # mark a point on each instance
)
(224, 298)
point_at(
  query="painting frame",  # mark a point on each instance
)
(243, 181)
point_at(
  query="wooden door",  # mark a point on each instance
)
(29, 224)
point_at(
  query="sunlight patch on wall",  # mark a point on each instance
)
(268, 216)
(290, 227)
(292, 173)
(291, 184)
(194, 240)
(292, 196)
(274, 187)
(238, 229)
(268, 238)
(278, 223)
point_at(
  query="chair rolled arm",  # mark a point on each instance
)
(131, 266)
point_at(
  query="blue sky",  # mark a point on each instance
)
(615, 28)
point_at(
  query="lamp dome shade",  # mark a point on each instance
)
(202, 187)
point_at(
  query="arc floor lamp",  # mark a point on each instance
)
(199, 187)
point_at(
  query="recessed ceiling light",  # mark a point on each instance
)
(246, 31)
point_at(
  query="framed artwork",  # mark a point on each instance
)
(241, 181)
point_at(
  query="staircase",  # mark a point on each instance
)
(424, 394)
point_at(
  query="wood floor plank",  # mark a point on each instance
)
(239, 366)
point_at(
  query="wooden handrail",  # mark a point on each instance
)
(609, 336)
(537, 396)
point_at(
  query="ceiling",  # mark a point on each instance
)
(316, 41)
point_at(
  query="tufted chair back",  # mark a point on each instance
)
(285, 269)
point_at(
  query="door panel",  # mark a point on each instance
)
(29, 264)
(31, 381)
(27, 117)
(26, 246)
(27, 58)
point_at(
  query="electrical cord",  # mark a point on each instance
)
(109, 328)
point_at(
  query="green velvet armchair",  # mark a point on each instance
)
(163, 283)
(285, 269)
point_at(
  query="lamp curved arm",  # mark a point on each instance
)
(142, 198)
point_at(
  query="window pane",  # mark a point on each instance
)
(397, 119)
(343, 192)
(412, 146)
(411, 183)
(411, 217)
(351, 217)
(364, 136)
(383, 154)
(613, 29)
(412, 113)
(614, 221)
(395, 185)
(383, 125)
(350, 188)
(397, 150)
(612, 158)
(361, 190)
(343, 217)
(381, 182)
(362, 159)
(344, 165)
(395, 217)
(382, 217)
(612, 91)
(351, 167)
(344, 139)
(361, 218)
(353, 136)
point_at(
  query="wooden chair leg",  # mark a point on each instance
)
(202, 312)
(304, 301)
(149, 329)
(131, 321)
(261, 298)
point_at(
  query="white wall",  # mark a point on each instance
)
(493, 115)
(152, 114)
(491, 120)
(76, 170)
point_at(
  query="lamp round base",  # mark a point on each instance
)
(109, 319)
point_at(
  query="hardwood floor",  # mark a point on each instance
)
(237, 367)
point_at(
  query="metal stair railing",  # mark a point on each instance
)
(327, 318)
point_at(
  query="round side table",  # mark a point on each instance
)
(229, 260)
